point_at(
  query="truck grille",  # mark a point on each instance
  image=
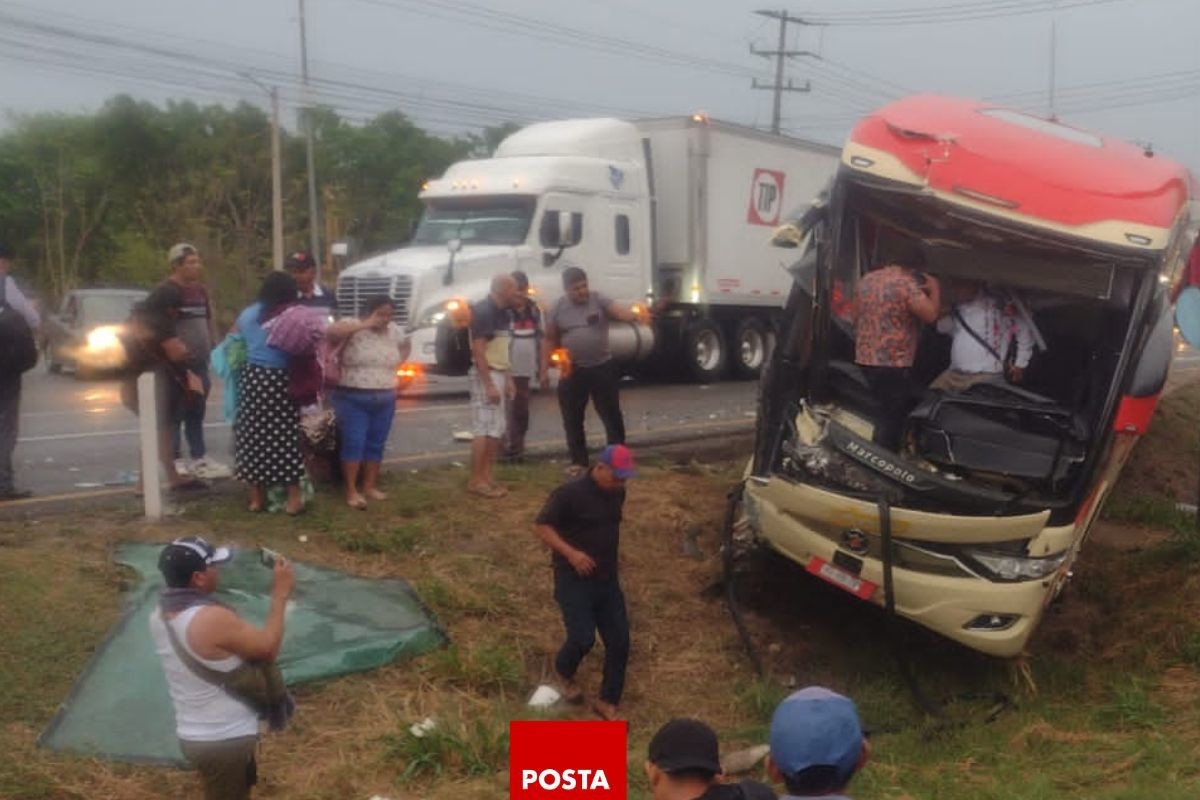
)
(352, 292)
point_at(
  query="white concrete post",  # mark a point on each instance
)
(148, 423)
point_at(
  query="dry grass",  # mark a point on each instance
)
(1115, 664)
(478, 568)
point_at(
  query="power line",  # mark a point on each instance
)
(329, 91)
(957, 12)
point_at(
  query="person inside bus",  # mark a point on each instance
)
(983, 328)
(890, 305)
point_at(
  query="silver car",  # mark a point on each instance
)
(84, 312)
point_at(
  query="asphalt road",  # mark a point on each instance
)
(76, 437)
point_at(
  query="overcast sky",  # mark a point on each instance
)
(453, 64)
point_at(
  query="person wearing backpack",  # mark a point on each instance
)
(211, 658)
(18, 353)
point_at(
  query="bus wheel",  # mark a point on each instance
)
(705, 351)
(751, 348)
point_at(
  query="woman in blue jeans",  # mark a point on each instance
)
(371, 348)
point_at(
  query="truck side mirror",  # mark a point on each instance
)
(566, 230)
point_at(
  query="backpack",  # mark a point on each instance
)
(18, 351)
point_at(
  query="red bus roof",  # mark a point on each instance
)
(1015, 164)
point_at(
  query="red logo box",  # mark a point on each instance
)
(557, 760)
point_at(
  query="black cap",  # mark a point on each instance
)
(685, 744)
(299, 261)
(183, 557)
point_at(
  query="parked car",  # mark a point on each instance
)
(85, 314)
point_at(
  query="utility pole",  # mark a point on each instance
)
(313, 222)
(779, 55)
(276, 185)
(1053, 68)
(276, 173)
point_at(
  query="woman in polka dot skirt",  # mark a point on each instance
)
(266, 429)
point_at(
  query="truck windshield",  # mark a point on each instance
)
(476, 220)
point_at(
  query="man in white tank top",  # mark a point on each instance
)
(217, 732)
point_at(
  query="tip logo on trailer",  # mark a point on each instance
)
(766, 197)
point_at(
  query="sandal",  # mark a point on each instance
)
(490, 492)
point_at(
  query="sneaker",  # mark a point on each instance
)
(183, 466)
(209, 469)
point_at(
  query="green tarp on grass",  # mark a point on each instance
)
(119, 708)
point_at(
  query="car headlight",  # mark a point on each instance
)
(1004, 567)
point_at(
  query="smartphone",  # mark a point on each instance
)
(268, 557)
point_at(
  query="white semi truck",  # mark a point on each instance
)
(677, 212)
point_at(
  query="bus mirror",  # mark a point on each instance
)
(1187, 315)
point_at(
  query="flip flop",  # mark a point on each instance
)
(490, 492)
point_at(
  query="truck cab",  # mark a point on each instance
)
(555, 194)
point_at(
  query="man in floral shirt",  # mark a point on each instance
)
(890, 304)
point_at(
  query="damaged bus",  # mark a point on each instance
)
(971, 527)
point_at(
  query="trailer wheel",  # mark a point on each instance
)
(705, 350)
(751, 348)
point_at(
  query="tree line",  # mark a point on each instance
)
(96, 199)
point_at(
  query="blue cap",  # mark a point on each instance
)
(816, 727)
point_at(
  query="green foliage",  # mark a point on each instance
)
(488, 668)
(94, 199)
(394, 539)
(460, 750)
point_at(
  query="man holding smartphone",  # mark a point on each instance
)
(218, 733)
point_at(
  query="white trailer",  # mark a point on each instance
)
(677, 212)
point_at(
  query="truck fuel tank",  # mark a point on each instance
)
(630, 341)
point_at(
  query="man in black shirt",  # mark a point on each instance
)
(581, 524)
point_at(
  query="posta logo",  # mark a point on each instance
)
(557, 760)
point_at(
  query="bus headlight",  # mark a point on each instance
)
(1008, 568)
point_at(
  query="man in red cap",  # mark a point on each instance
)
(581, 524)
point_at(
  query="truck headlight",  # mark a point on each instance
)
(1005, 567)
(457, 311)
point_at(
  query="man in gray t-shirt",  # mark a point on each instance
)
(578, 323)
(197, 330)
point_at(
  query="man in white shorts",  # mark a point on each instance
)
(489, 375)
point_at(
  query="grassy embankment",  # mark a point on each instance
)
(1113, 715)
